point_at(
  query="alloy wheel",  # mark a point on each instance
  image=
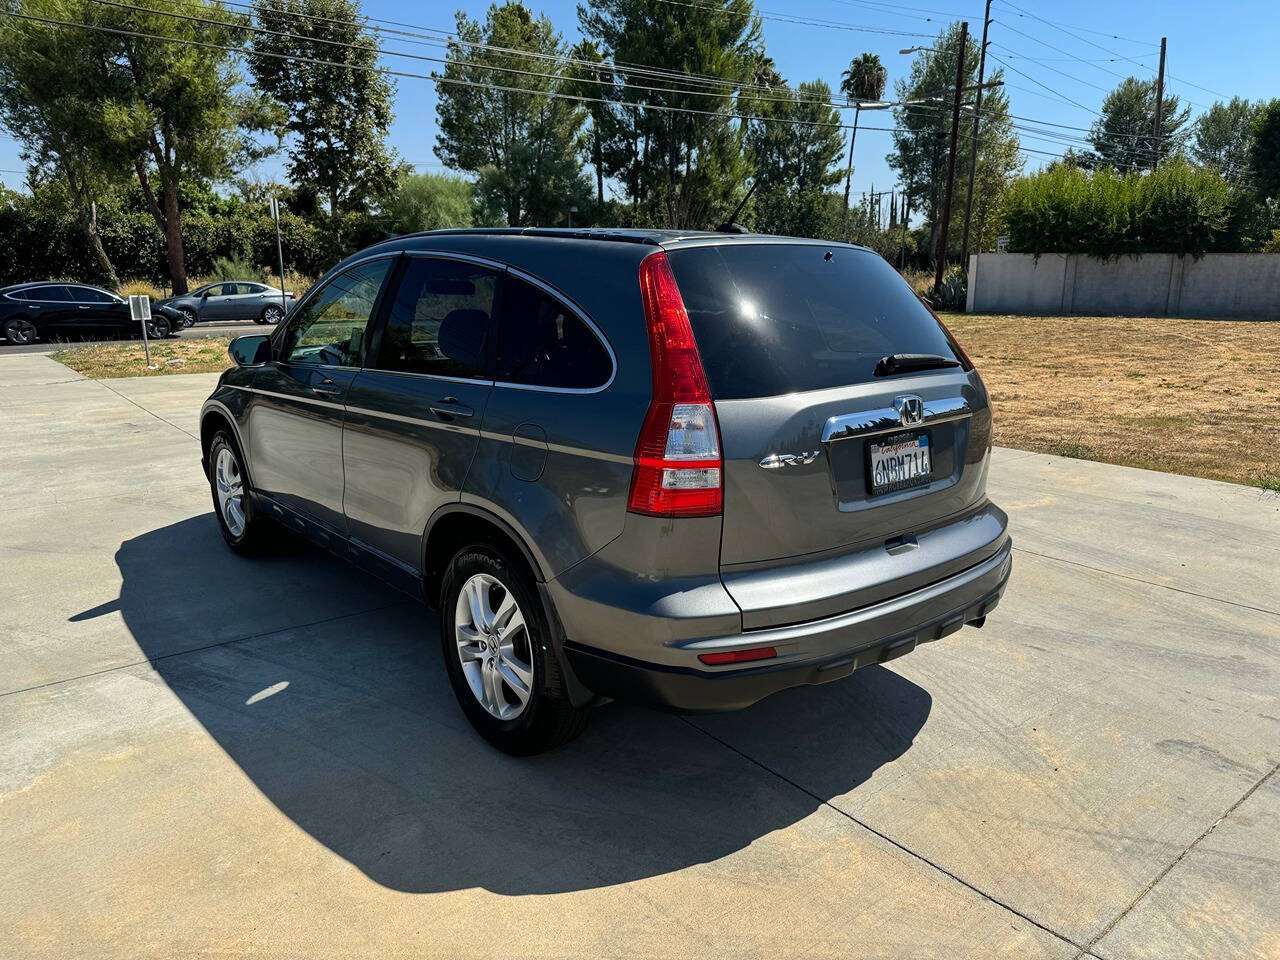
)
(188, 317)
(21, 332)
(230, 484)
(494, 647)
(272, 314)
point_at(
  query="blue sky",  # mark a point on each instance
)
(1228, 48)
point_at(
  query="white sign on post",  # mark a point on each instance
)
(140, 312)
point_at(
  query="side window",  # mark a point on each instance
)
(228, 290)
(17, 295)
(55, 294)
(541, 342)
(330, 328)
(89, 295)
(439, 319)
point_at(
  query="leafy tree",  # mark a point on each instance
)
(1123, 137)
(921, 141)
(587, 79)
(795, 147)
(173, 111)
(864, 81)
(1223, 136)
(430, 201)
(677, 153)
(339, 110)
(49, 81)
(1264, 156)
(511, 129)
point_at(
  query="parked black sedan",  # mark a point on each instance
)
(73, 311)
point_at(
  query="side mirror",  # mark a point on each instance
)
(251, 350)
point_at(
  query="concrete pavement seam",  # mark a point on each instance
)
(1150, 583)
(207, 646)
(1089, 947)
(144, 409)
(990, 898)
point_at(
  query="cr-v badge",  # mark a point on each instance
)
(775, 460)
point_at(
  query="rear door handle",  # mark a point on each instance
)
(448, 408)
(327, 388)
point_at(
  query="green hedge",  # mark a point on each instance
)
(1178, 209)
(40, 239)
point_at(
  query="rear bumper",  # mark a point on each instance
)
(814, 652)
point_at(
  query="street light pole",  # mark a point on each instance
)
(973, 150)
(941, 257)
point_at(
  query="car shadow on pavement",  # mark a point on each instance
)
(350, 728)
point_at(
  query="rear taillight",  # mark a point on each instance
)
(678, 469)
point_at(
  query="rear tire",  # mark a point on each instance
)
(159, 328)
(19, 331)
(244, 528)
(488, 663)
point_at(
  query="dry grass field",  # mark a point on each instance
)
(1200, 397)
(126, 359)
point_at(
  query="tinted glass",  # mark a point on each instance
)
(56, 294)
(17, 294)
(771, 319)
(439, 320)
(541, 342)
(332, 325)
(90, 295)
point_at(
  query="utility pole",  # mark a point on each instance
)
(973, 151)
(941, 257)
(1159, 127)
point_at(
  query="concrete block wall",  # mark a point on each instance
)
(1243, 285)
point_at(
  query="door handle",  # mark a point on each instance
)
(448, 408)
(82, 307)
(327, 388)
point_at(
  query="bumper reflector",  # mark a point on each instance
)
(737, 656)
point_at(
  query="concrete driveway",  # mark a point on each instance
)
(202, 755)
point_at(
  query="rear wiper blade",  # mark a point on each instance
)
(901, 362)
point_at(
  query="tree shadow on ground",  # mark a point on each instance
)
(348, 725)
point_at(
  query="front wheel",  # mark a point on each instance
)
(498, 655)
(272, 314)
(20, 331)
(245, 530)
(188, 317)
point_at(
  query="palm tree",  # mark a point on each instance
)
(864, 81)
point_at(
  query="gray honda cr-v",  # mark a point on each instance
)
(687, 468)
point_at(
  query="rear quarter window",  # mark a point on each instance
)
(777, 318)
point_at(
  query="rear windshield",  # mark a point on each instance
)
(780, 318)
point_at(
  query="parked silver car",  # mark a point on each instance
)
(232, 300)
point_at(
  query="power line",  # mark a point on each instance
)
(421, 35)
(804, 21)
(444, 60)
(1053, 23)
(1060, 96)
(387, 71)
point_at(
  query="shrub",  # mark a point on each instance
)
(1177, 209)
(952, 294)
(131, 288)
(232, 268)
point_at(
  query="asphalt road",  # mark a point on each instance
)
(203, 755)
(197, 332)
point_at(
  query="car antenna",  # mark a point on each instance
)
(729, 226)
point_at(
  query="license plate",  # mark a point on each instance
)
(900, 461)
